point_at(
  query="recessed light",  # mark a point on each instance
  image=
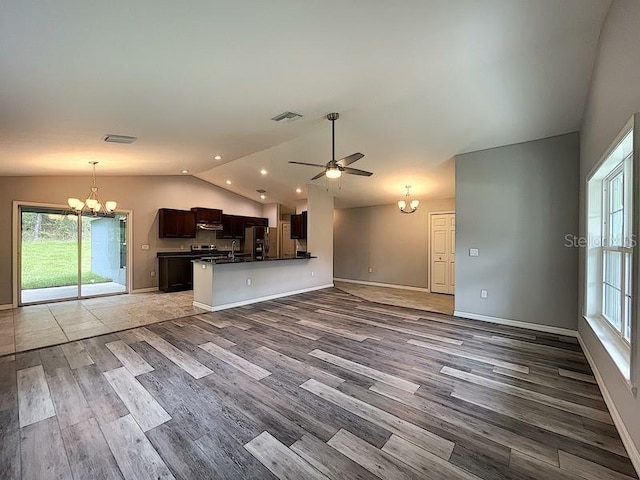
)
(263, 196)
(228, 182)
(185, 171)
(263, 171)
(217, 157)
(298, 190)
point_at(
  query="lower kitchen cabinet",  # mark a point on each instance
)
(175, 274)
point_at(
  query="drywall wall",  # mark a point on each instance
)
(320, 235)
(272, 212)
(395, 246)
(516, 204)
(613, 98)
(142, 194)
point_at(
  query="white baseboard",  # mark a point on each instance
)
(517, 323)
(627, 441)
(378, 284)
(6, 306)
(203, 306)
(145, 290)
(226, 306)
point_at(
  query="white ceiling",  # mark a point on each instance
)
(416, 82)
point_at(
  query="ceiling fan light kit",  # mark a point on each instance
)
(334, 169)
(333, 173)
(93, 202)
(408, 205)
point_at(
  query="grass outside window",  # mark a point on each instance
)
(51, 263)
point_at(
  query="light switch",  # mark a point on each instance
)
(474, 252)
(145, 246)
(484, 294)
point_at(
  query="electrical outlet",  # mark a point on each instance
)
(144, 247)
(484, 294)
(181, 247)
(152, 273)
(248, 282)
(370, 269)
(474, 252)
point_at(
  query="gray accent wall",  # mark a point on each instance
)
(516, 204)
(394, 245)
(614, 97)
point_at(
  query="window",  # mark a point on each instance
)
(610, 260)
(616, 248)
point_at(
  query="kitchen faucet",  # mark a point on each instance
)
(232, 255)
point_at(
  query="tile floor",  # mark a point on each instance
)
(431, 302)
(321, 385)
(36, 326)
(56, 293)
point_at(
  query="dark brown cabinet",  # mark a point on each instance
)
(232, 227)
(176, 223)
(209, 216)
(175, 273)
(255, 222)
(299, 226)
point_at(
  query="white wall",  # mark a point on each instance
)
(320, 234)
(395, 245)
(614, 97)
(272, 212)
(516, 204)
(142, 194)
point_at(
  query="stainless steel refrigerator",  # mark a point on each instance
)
(261, 242)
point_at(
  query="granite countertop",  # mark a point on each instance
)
(222, 261)
(190, 254)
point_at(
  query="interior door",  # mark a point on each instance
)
(287, 246)
(442, 245)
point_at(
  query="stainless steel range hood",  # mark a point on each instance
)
(209, 226)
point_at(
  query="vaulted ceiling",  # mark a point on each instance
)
(415, 82)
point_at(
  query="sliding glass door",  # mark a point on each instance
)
(64, 256)
(104, 255)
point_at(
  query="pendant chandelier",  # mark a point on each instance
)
(93, 202)
(407, 205)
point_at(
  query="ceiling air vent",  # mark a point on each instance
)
(288, 116)
(119, 139)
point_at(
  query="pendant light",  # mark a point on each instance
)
(407, 205)
(93, 202)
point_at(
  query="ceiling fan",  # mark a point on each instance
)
(333, 168)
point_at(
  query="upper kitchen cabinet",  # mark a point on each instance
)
(255, 222)
(299, 226)
(176, 223)
(232, 227)
(207, 216)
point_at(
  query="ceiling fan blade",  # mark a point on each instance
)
(321, 174)
(350, 159)
(309, 164)
(355, 171)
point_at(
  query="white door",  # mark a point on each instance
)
(443, 249)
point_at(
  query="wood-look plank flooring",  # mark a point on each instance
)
(323, 385)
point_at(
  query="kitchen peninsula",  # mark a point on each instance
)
(219, 284)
